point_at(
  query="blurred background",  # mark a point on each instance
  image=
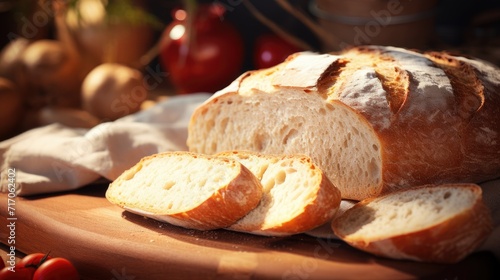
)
(83, 62)
(453, 23)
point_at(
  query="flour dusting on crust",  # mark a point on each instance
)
(364, 90)
(432, 88)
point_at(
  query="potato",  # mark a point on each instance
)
(11, 56)
(54, 71)
(11, 63)
(11, 108)
(111, 91)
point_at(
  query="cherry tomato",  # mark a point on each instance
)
(33, 260)
(20, 273)
(56, 269)
(206, 58)
(270, 49)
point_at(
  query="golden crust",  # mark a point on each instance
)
(224, 207)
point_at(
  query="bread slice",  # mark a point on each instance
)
(373, 118)
(297, 196)
(431, 223)
(189, 190)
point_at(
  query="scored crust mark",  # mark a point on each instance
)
(430, 89)
(330, 77)
(467, 87)
(304, 71)
(395, 80)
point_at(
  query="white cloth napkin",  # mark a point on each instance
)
(56, 158)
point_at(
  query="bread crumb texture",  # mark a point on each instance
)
(296, 195)
(406, 212)
(172, 182)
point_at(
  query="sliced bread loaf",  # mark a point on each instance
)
(297, 196)
(188, 190)
(431, 223)
(373, 118)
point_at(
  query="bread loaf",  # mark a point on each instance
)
(442, 223)
(297, 196)
(375, 119)
(188, 190)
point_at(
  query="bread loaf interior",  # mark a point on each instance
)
(287, 188)
(306, 125)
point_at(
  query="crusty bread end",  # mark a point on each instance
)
(431, 223)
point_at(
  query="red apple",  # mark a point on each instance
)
(271, 49)
(205, 56)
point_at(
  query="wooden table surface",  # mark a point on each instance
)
(105, 242)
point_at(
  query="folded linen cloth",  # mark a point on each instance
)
(56, 158)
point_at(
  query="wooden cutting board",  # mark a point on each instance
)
(105, 242)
